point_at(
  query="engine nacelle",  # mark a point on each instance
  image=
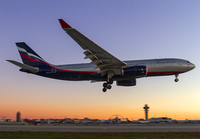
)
(131, 82)
(136, 71)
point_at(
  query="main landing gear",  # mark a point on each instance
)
(107, 85)
(176, 79)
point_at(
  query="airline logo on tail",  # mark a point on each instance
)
(30, 56)
(32, 62)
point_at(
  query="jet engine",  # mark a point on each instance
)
(135, 71)
(131, 82)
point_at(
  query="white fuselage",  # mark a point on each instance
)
(156, 67)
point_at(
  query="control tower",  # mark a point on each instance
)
(18, 117)
(146, 109)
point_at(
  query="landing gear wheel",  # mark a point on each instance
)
(176, 80)
(109, 86)
(104, 89)
(105, 85)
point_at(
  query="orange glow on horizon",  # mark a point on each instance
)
(44, 113)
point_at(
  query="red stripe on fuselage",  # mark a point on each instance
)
(33, 59)
(157, 72)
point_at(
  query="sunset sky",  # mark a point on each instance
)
(128, 29)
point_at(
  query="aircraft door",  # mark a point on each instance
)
(152, 66)
(53, 70)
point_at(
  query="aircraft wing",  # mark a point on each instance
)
(103, 59)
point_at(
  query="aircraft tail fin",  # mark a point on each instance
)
(29, 57)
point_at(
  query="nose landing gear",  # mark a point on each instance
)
(176, 79)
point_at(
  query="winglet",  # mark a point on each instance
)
(64, 24)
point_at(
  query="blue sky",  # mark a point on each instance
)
(130, 30)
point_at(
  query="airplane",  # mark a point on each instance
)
(33, 122)
(104, 67)
(129, 121)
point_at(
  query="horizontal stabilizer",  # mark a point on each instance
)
(24, 66)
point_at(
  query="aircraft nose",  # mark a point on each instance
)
(192, 66)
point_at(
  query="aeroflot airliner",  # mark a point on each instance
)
(103, 67)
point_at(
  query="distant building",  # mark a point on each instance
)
(160, 120)
(3, 119)
(18, 117)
